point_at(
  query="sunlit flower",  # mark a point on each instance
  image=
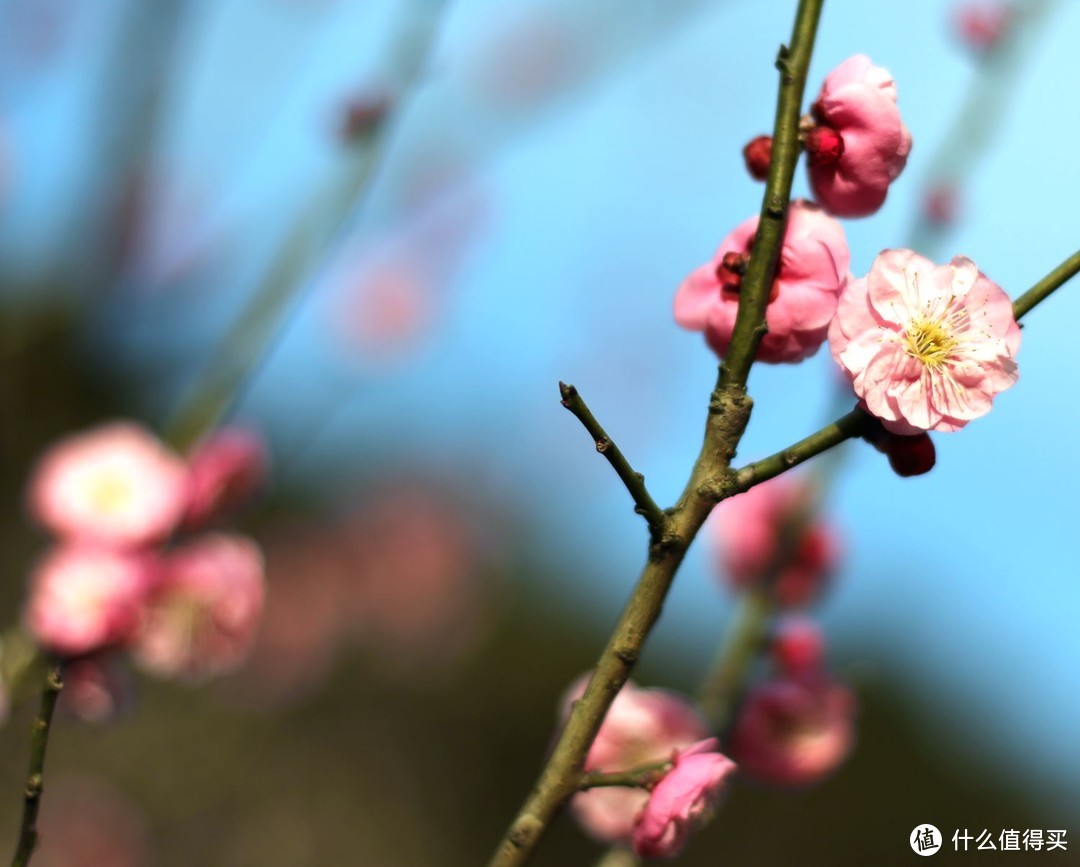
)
(641, 726)
(682, 801)
(202, 619)
(858, 144)
(812, 269)
(771, 537)
(793, 731)
(116, 485)
(84, 599)
(926, 346)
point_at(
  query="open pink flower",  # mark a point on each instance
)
(771, 534)
(813, 268)
(682, 801)
(794, 730)
(642, 726)
(114, 485)
(926, 346)
(86, 599)
(226, 470)
(202, 619)
(859, 144)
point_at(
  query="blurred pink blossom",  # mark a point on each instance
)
(926, 347)
(227, 469)
(96, 688)
(798, 646)
(84, 599)
(641, 726)
(858, 144)
(682, 801)
(202, 618)
(116, 484)
(982, 25)
(793, 731)
(940, 204)
(813, 268)
(771, 535)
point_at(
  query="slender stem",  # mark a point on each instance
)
(635, 482)
(1045, 287)
(39, 742)
(617, 856)
(845, 427)
(750, 324)
(710, 480)
(643, 776)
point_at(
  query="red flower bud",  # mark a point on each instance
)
(911, 455)
(824, 147)
(758, 155)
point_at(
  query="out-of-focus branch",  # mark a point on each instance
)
(35, 779)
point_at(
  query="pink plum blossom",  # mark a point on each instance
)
(793, 730)
(84, 599)
(926, 346)
(114, 485)
(858, 144)
(641, 726)
(226, 470)
(771, 534)
(202, 619)
(682, 801)
(812, 269)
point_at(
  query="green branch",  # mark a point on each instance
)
(635, 482)
(35, 779)
(710, 480)
(1045, 287)
(641, 777)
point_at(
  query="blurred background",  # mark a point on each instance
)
(380, 233)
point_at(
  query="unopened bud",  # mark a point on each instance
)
(798, 646)
(758, 155)
(911, 455)
(824, 146)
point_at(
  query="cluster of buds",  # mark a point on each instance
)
(135, 566)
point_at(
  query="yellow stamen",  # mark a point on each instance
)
(930, 341)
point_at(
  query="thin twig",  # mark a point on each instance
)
(1045, 287)
(645, 505)
(35, 779)
(642, 777)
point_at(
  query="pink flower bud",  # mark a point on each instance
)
(226, 471)
(202, 619)
(981, 26)
(758, 155)
(859, 144)
(684, 800)
(812, 270)
(113, 485)
(793, 731)
(770, 534)
(798, 646)
(84, 599)
(926, 347)
(642, 726)
(940, 205)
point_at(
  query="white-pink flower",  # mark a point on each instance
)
(641, 726)
(682, 801)
(858, 144)
(927, 347)
(85, 599)
(114, 485)
(812, 269)
(202, 619)
(226, 470)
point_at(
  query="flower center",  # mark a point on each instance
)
(929, 341)
(110, 493)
